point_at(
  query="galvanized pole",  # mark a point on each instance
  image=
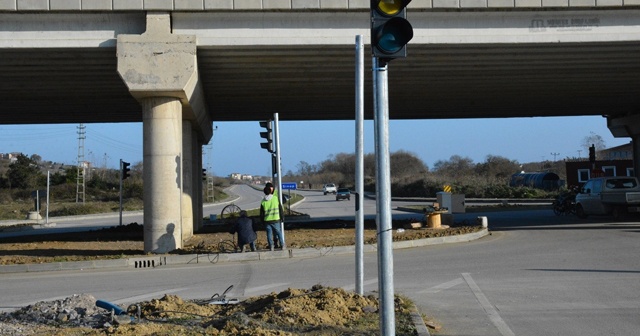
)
(359, 164)
(276, 131)
(121, 176)
(383, 199)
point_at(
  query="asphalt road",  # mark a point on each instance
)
(536, 274)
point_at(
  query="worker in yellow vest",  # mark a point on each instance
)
(271, 214)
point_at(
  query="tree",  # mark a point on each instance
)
(404, 164)
(23, 173)
(595, 140)
(497, 167)
(455, 167)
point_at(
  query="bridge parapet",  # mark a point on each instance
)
(293, 5)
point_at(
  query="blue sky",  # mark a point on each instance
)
(235, 145)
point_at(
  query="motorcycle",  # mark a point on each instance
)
(565, 204)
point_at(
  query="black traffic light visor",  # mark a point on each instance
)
(394, 35)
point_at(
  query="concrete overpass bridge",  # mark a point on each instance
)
(180, 65)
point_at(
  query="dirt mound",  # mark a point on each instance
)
(317, 311)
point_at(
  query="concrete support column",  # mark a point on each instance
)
(628, 126)
(187, 179)
(162, 155)
(197, 185)
(160, 70)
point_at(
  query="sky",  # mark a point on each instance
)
(235, 146)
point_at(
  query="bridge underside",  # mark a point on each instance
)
(317, 82)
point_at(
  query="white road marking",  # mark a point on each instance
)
(442, 286)
(265, 287)
(148, 295)
(364, 283)
(491, 311)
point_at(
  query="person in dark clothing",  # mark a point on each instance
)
(246, 235)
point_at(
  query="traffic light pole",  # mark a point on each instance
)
(383, 199)
(359, 165)
(276, 131)
(121, 179)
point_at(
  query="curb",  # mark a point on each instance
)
(214, 258)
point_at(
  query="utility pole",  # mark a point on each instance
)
(80, 178)
(554, 156)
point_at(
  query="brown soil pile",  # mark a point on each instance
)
(318, 311)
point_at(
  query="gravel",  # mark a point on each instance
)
(78, 310)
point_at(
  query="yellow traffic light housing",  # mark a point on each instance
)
(390, 30)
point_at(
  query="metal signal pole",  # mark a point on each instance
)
(383, 199)
(359, 164)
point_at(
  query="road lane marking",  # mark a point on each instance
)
(442, 286)
(352, 287)
(149, 295)
(265, 287)
(491, 311)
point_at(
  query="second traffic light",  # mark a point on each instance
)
(268, 135)
(390, 30)
(125, 169)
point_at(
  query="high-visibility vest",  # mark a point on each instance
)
(271, 209)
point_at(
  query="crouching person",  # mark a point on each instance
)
(246, 235)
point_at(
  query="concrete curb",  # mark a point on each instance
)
(153, 261)
(416, 318)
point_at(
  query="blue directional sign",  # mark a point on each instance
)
(289, 186)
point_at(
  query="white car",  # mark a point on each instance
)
(330, 188)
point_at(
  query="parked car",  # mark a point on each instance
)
(329, 188)
(608, 196)
(343, 193)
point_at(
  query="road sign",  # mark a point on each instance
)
(289, 186)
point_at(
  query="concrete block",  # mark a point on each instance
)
(33, 5)
(446, 4)
(8, 5)
(582, 3)
(305, 253)
(334, 4)
(473, 4)
(96, 5)
(218, 4)
(189, 4)
(128, 4)
(303, 4)
(276, 4)
(65, 4)
(501, 3)
(420, 4)
(353, 4)
(158, 4)
(555, 3)
(607, 3)
(247, 4)
(528, 3)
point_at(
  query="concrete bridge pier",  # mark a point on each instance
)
(163, 166)
(628, 126)
(160, 69)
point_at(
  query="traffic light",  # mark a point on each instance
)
(390, 30)
(204, 174)
(592, 153)
(267, 135)
(125, 169)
